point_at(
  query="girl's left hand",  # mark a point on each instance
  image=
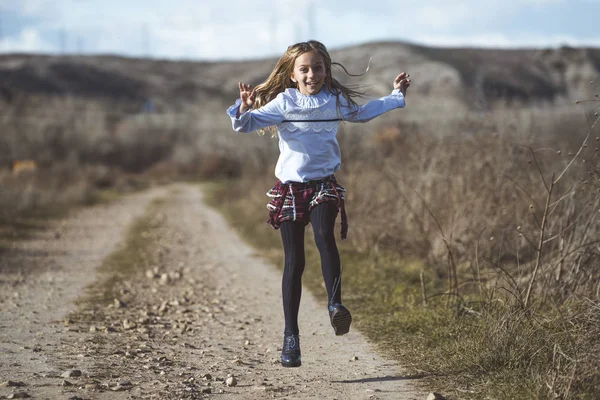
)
(402, 82)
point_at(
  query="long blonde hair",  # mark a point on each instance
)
(280, 78)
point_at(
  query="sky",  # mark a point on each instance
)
(250, 29)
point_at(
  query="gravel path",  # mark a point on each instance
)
(202, 318)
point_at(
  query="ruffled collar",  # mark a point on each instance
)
(312, 101)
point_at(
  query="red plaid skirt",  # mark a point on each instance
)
(293, 201)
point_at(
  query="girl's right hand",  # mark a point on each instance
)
(402, 82)
(247, 95)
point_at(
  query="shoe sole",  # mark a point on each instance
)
(291, 364)
(341, 321)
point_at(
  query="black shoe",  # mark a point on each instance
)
(340, 318)
(290, 355)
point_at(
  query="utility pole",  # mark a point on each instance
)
(63, 35)
(311, 20)
(146, 41)
(273, 33)
(63, 40)
(297, 32)
(79, 45)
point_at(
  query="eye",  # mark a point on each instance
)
(303, 69)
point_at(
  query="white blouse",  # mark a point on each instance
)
(307, 127)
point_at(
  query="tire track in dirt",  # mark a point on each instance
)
(39, 281)
(204, 309)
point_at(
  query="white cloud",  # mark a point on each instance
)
(27, 41)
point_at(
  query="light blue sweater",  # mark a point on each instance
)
(309, 149)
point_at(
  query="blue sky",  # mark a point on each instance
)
(243, 29)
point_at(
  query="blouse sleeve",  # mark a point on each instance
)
(252, 120)
(373, 108)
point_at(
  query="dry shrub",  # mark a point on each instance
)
(113, 140)
(510, 223)
(219, 166)
(43, 188)
(477, 198)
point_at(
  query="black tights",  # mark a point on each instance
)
(322, 218)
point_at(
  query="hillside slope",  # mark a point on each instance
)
(468, 76)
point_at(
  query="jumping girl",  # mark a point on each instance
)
(304, 104)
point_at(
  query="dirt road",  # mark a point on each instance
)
(202, 320)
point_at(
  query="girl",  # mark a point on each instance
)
(304, 104)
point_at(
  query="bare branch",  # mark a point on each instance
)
(587, 136)
(537, 166)
(541, 243)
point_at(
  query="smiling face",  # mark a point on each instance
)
(309, 72)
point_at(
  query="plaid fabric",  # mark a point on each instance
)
(293, 201)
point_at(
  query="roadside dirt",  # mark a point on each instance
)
(202, 319)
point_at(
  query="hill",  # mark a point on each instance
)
(470, 77)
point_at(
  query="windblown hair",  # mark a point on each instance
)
(280, 78)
